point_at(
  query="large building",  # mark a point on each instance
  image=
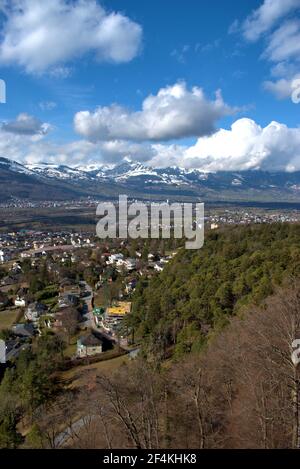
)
(114, 316)
(89, 346)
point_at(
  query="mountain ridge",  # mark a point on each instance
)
(42, 180)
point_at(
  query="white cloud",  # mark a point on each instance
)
(175, 112)
(284, 69)
(246, 145)
(25, 140)
(284, 50)
(16, 146)
(266, 17)
(277, 21)
(26, 125)
(283, 88)
(284, 43)
(41, 36)
(30, 150)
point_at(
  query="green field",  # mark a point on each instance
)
(7, 318)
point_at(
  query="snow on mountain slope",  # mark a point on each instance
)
(138, 177)
(122, 173)
(16, 167)
(57, 171)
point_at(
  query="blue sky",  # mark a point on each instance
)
(56, 76)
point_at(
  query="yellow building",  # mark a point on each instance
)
(120, 309)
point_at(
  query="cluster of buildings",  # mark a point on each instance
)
(29, 244)
(129, 264)
(15, 202)
(71, 306)
(121, 262)
(111, 319)
(248, 216)
(62, 314)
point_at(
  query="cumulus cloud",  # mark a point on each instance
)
(246, 145)
(28, 149)
(26, 125)
(173, 113)
(266, 17)
(25, 140)
(41, 36)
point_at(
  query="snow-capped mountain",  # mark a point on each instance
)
(56, 171)
(15, 167)
(125, 172)
(52, 181)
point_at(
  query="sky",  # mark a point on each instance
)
(210, 84)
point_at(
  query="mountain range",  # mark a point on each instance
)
(45, 181)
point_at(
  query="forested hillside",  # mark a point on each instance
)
(198, 292)
(237, 388)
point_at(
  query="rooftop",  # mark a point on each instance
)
(121, 309)
(90, 340)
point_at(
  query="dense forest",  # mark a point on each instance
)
(198, 292)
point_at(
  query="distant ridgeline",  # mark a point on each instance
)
(196, 294)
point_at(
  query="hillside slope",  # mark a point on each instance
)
(199, 291)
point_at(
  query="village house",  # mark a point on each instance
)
(114, 316)
(66, 318)
(9, 280)
(16, 268)
(4, 256)
(20, 302)
(23, 330)
(34, 311)
(68, 299)
(159, 266)
(89, 346)
(9, 349)
(115, 259)
(25, 255)
(130, 264)
(68, 285)
(130, 286)
(21, 298)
